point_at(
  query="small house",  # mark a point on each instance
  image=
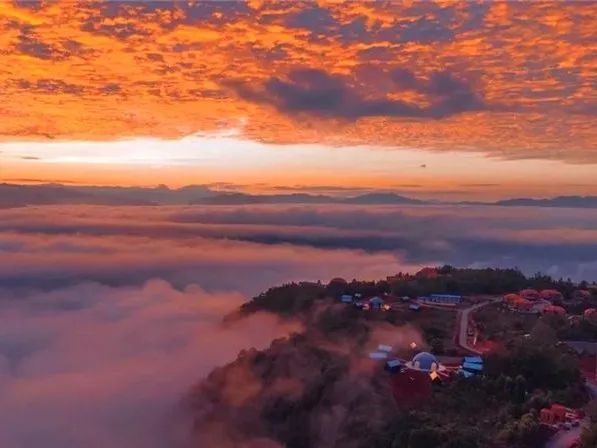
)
(530, 294)
(554, 415)
(553, 309)
(473, 359)
(551, 295)
(472, 367)
(376, 303)
(442, 299)
(346, 298)
(393, 365)
(511, 298)
(384, 348)
(523, 305)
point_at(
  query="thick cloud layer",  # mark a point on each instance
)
(207, 244)
(107, 315)
(95, 352)
(95, 366)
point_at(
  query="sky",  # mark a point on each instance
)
(446, 99)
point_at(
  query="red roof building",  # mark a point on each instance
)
(523, 304)
(529, 294)
(511, 298)
(552, 309)
(553, 415)
(551, 294)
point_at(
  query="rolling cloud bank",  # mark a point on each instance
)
(109, 314)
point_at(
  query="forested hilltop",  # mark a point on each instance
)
(319, 387)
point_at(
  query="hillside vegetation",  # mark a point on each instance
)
(319, 389)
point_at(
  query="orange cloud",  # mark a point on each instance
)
(107, 70)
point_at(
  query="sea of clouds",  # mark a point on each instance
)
(109, 314)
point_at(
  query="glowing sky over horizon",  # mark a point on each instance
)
(437, 99)
(261, 167)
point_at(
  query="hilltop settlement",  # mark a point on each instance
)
(446, 357)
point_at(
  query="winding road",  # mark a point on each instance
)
(462, 326)
(562, 439)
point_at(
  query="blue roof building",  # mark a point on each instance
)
(442, 299)
(384, 348)
(346, 298)
(393, 365)
(376, 302)
(473, 359)
(472, 366)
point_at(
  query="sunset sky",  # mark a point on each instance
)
(432, 99)
(112, 299)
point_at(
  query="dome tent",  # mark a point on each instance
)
(425, 361)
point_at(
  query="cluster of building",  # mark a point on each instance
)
(375, 303)
(412, 379)
(547, 301)
(533, 301)
(441, 299)
(388, 302)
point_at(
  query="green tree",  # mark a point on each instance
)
(424, 437)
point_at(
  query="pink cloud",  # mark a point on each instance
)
(95, 366)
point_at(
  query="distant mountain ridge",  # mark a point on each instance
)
(16, 195)
(559, 201)
(12, 195)
(305, 198)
